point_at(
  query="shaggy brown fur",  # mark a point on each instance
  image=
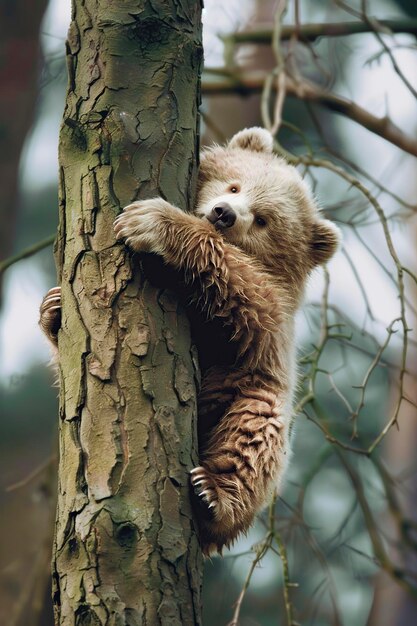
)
(247, 277)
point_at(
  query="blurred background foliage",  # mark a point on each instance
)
(339, 545)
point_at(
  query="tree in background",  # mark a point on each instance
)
(19, 37)
(341, 539)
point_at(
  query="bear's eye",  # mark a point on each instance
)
(234, 188)
(260, 221)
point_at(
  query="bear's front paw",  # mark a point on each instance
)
(141, 224)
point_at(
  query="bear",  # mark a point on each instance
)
(245, 254)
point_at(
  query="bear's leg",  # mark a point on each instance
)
(227, 285)
(244, 459)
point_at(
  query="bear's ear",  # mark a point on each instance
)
(255, 139)
(325, 241)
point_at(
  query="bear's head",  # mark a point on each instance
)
(261, 204)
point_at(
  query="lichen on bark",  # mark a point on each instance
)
(125, 548)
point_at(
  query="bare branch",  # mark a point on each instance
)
(253, 82)
(26, 253)
(311, 32)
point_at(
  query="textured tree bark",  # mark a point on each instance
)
(125, 549)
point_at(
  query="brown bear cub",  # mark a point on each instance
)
(246, 254)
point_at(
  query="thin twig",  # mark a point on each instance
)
(4, 265)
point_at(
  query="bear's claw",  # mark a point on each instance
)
(50, 314)
(204, 487)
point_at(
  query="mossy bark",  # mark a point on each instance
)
(125, 547)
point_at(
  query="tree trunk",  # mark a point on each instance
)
(125, 548)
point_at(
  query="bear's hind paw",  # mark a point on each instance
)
(203, 487)
(217, 493)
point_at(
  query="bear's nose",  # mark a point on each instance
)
(222, 215)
